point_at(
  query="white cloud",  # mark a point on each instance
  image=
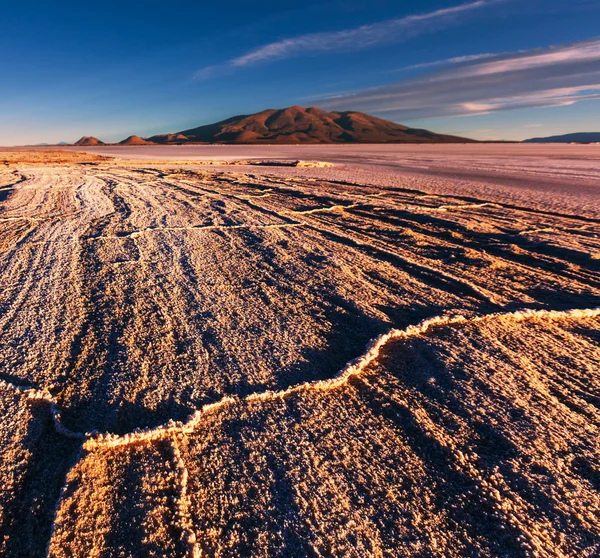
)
(553, 76)
(391, 31)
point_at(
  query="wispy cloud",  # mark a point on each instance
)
(365, 36)
(207, 72)
(448, 61)
(554, 76)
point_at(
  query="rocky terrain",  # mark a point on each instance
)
(221, 361)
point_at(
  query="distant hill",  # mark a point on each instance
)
(89, 141)
(135, 140)
(299, 125)
(168, 138)
(578, 137)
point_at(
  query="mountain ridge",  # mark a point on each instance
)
(577, 137)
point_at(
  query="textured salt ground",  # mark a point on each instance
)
(134, 296)
(421, 451)
(427, 451)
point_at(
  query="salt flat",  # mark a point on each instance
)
(544, 176)
(174, 340)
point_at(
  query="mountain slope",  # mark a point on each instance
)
(298, 125)
(579, 137)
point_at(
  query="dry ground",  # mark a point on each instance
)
(173, 378)
(9, 157)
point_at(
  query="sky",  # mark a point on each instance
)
(486, 69)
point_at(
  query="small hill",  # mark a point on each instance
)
(168, 138)
(89, 141)
(577, 137)
(135, 140)
(299, 125)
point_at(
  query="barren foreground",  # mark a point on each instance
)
(174, 382)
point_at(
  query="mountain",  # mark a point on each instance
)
(89, 141)
(135, 140)
(299, 125)
(578, 137)
(168, 138)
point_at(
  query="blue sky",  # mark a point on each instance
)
(489, 69)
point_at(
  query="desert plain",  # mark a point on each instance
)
(396, 353)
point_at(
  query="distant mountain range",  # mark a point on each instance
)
(578, 137)
(294, 125)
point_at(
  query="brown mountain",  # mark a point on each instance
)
(89, 141)
(135, 140)
(312, 125)
(168, 138)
